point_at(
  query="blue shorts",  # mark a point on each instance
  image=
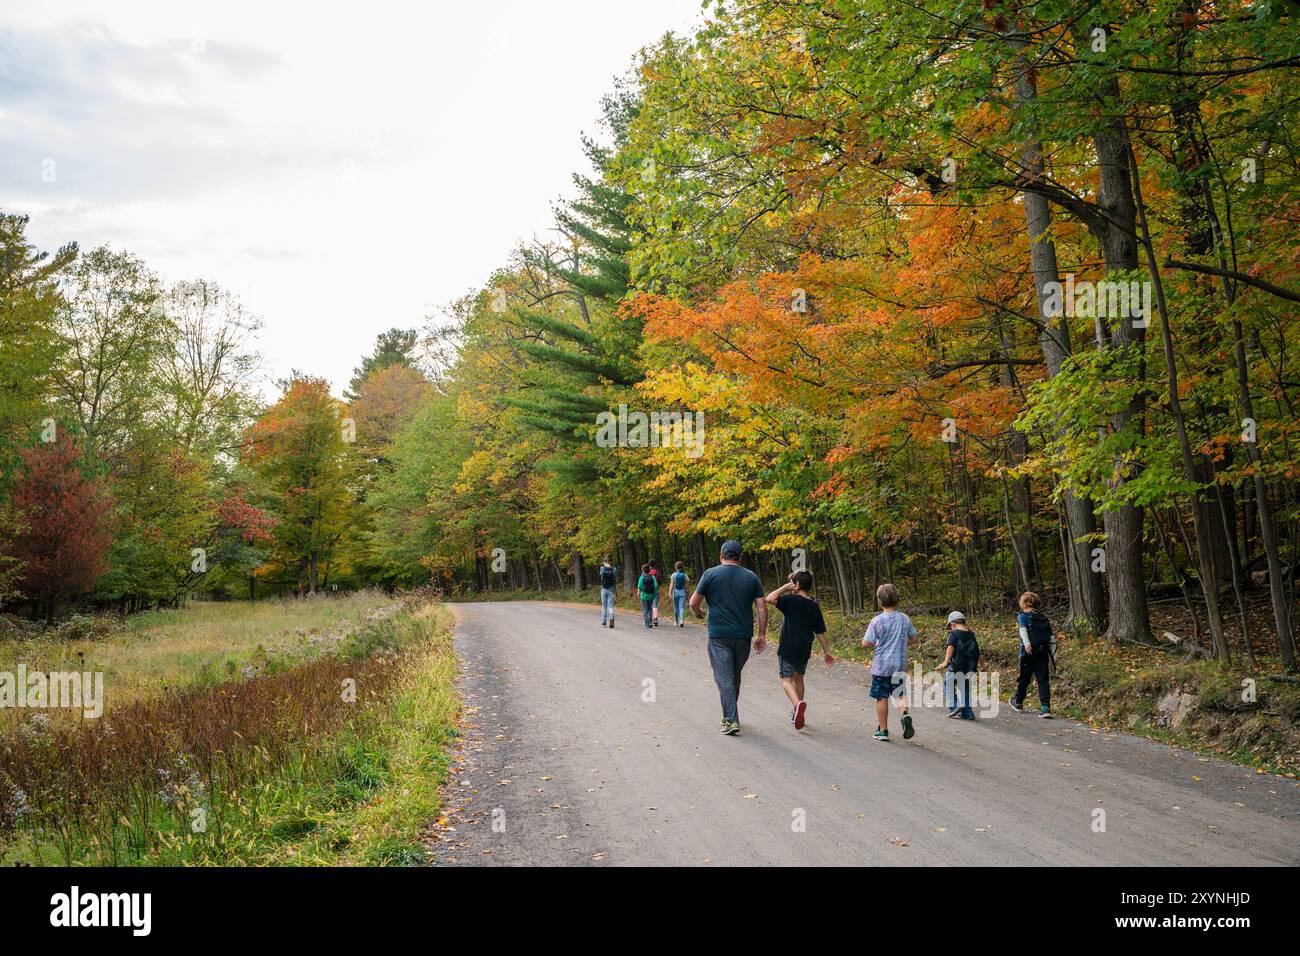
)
(883, 686)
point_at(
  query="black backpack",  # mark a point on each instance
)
(965, 652)
(608, 577)
(1040, 633)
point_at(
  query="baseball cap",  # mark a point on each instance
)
(731, 548)
(956, 616)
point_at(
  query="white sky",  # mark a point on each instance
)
(345, 168)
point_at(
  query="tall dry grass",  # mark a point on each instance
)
(112, 790)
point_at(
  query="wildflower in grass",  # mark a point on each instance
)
(181, 784)
(36, 728)
(14, 804)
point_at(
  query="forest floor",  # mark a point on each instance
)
(1233, 711)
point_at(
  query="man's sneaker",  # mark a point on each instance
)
(656, 622)
(881, 735)
(955, 712)
(732, 728)
(1015, 705)
(908, 730)
(800, 710)
(1045, 713)
(611, 623)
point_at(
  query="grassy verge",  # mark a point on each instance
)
(336, 760)
(204, 643)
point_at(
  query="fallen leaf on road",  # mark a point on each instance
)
(899, 841)
(938, 829)
(751, 796)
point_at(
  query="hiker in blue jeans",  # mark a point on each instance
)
(608, 591)
(648, 586)
(733, 593)
(679, 580)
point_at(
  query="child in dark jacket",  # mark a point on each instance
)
(1037, 651)
(960, 665)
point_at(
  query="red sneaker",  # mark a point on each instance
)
(799, 712)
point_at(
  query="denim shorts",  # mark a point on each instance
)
(883, 686)
(788, 668)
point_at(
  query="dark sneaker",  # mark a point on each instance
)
(1045, 713)
(908, 730)
(1015, 705)
(955, 712)
(881, 735)
(656, 622)
(732, 728)
(968, 714)
(800, 712)
(611, 624)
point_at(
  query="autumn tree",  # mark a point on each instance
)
(64, 537)
(298, 449)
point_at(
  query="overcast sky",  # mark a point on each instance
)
(344, 171)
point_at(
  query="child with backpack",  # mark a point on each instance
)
(679, 580)
(648, 587)
(961, 662)
(1037, 652)
(608, 591)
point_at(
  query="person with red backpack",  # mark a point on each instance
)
(654, 610)
(648, 587)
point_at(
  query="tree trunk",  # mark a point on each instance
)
(579, 572)
(1202, 503)
(1116, 232)
(1087, 603)
(629, 562)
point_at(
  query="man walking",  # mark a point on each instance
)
(608, 584)
(733, 593)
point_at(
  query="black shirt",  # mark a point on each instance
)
(801, 618)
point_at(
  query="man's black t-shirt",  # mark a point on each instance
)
(801, 619)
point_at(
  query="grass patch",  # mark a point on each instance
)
(277, 769)
(205, 643)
